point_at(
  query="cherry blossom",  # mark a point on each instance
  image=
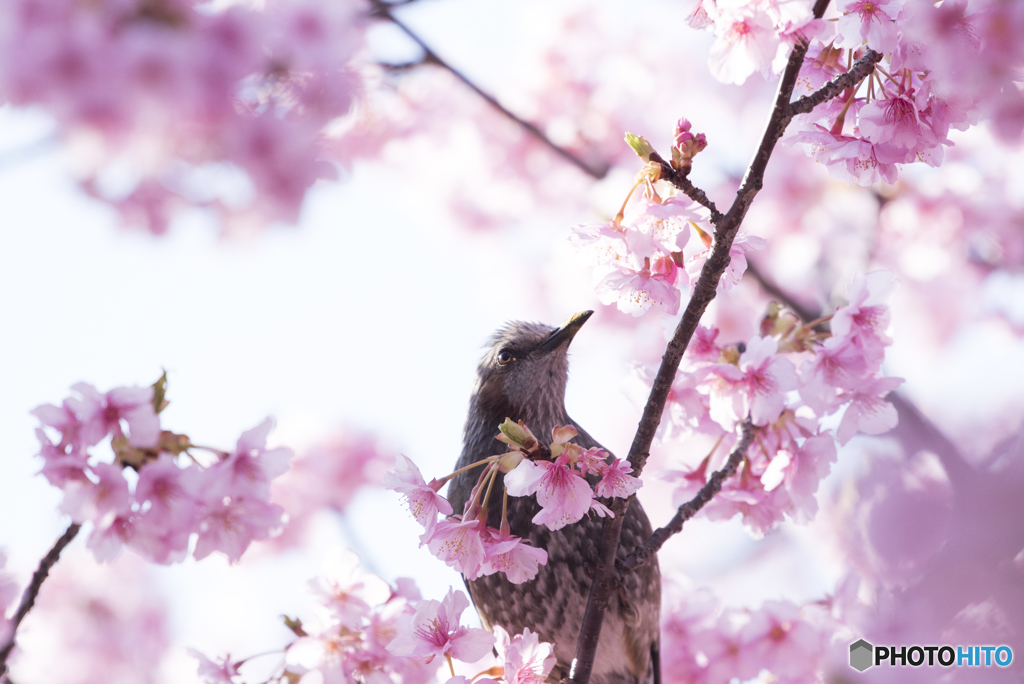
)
(513, 556)
(524, 657)
(564, 496)
(459, 544)
(424, 502)
(435, 631)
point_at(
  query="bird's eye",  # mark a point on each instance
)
(504, 356)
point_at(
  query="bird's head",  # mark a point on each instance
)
(523, 373)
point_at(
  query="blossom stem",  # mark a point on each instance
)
(505, 527)
(487, 497)
(622, 211)
(481, 462)
(28, 599)
(451, 667)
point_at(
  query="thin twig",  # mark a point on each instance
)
(703, 292)
(382, 10)
(864, 66)
(28, 599)
(645, 551)
(680, 180)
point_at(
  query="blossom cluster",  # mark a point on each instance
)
(787, 380)
(94, 623)
(154, 494)
(944, 66)
(644, 258)
(367, 630)
(555, 473)
(703, 642)
(174, 104)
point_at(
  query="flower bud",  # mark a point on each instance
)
(640, 145)
(517, 436)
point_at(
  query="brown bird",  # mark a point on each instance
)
(522, 376)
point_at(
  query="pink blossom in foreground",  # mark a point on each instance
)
(525, 658)
(424, 502)
(221, 671)
(348, 594)
(435, 631)
(102, 623)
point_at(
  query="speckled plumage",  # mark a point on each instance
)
(531, 388)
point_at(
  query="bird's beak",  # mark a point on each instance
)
(564, 334)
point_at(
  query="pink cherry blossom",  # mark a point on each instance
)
(870, 21)
(757, 386)
(101, 414)
(737, 260)
(616, 481)
(636, 290)
(458, 543)
(525, 658)
(868, 411)
(423, 500)
(230, 527)
(221, 671)
(563, 494)
(435, 631)
(513, 556)
(745, 43)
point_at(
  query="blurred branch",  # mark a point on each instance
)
(703, 292)
(645, 551)
(28, 599)
(383, 10)
(16, 155)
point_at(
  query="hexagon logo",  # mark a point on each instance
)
(861, 655)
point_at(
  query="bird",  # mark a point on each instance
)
(523, 376)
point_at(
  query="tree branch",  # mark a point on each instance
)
(645, 551)
(864, 66)
(28, 599)
(703, 292)
(383, 10)
(679, 179)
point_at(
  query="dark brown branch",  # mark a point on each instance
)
(864, 66)
(382, 10)
(680, 180)
(703, 292)
(643, 553)
(28, 599)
